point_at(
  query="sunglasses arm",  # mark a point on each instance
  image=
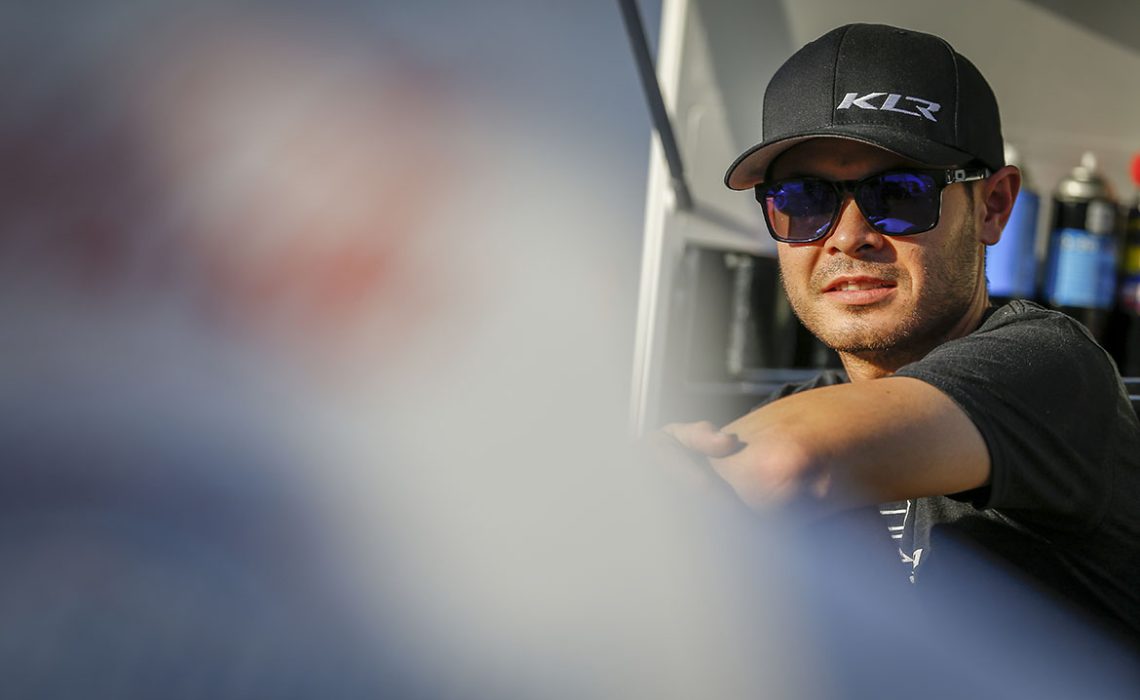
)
(966, 175)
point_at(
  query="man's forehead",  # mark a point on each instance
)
(838, 158)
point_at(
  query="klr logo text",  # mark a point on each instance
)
(925, 108)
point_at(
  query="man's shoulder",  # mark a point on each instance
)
(1020, 327)
(1022, 315)
(1021, 350)
(1021, 335)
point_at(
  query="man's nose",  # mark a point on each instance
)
(851, 234)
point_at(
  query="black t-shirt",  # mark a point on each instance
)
(1063, 502)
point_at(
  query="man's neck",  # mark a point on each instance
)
(876, 365)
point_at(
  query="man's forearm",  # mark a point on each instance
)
(855, 444)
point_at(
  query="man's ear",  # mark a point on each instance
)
(998, 193)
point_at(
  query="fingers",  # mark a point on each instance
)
(705, 438)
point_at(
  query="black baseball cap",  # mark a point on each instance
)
(908, 92)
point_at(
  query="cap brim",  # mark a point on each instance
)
(750, 168)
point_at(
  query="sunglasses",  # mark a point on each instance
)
(894, 203)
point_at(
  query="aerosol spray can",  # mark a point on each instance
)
(1080, 267)
(1011, 264)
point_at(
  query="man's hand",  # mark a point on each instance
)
(704, 438)
(683, 450)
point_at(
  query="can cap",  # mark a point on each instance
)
(1085, 182)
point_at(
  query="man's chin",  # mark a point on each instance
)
(863, 333)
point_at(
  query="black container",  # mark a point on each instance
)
(1124, 330)
(1080, 266)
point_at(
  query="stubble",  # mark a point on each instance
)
(949, 283)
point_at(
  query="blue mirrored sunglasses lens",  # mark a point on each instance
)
(900, 203)
(800, 210)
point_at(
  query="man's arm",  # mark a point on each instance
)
(849, 445)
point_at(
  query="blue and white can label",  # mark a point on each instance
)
(1082, 270)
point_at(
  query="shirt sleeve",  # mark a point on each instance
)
(1040, 392)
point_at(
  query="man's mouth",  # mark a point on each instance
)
(859, 291)
(857, 284)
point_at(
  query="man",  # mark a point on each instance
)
(881, 175)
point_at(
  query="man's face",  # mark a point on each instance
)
(866, 294)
